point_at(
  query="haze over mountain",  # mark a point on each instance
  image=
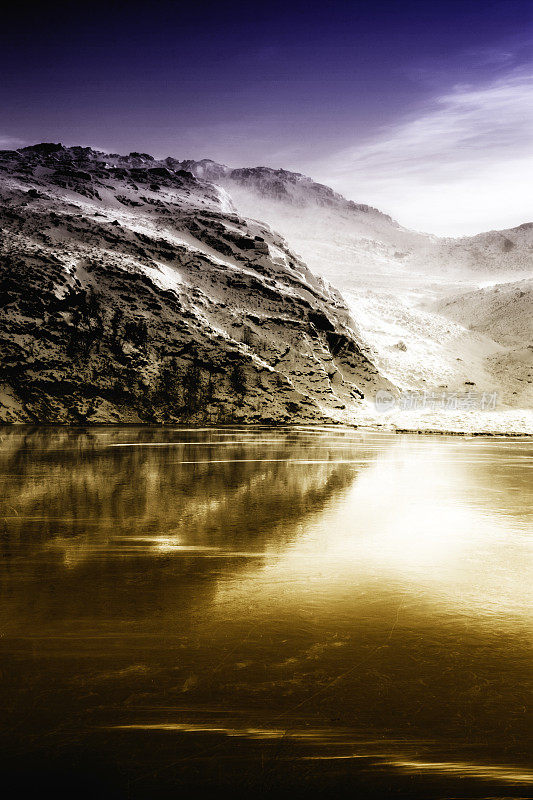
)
(137, 289)
(393, 279)
(319, 221)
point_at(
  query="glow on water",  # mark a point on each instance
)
(349, 596)
(418, 521)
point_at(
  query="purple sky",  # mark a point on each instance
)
(406, 105)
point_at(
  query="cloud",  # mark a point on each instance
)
(10, 142)
(462, 164)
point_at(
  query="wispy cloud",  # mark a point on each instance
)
(8, 142)
(463, 163)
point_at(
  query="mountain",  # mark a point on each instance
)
(337, 238)
(346, 241)
(504, 313)
(132, 291)
(292, 188)
(144, 290)
(394, 279)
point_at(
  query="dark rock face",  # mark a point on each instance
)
(129, 299)
(46, 148)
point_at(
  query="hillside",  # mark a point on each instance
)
(504, 313)
(132, 291)
(394, 280)
(347, 241)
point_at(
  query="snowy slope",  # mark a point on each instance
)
(343, 239)
(394, 280)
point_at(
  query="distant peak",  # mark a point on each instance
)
(44, 148)
(206, 168)
(145, 156)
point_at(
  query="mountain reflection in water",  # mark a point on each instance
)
(312, 609)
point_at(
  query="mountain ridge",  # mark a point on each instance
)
(313, 217)
(134, 292)
(268, 179)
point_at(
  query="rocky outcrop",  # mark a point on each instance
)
(131, 291)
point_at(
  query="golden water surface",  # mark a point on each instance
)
(310, 609)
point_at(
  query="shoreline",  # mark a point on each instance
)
(382, 429)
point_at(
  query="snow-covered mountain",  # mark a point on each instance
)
(131, 290)
(345, 241)
(135, 289)
(394, 279)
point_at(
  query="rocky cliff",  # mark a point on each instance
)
(131, 291)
